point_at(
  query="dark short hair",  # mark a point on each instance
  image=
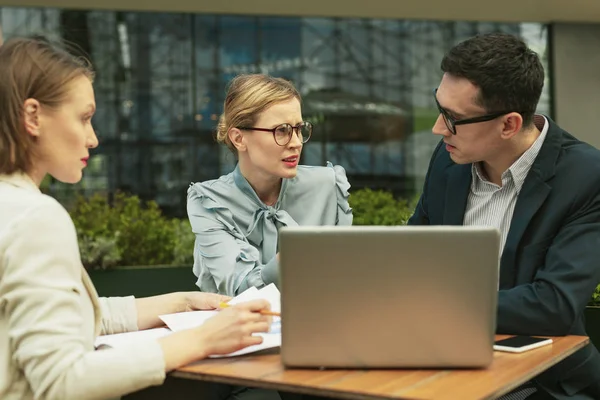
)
(509, 75)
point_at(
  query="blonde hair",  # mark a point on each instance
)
(31, 68)
(247, 97)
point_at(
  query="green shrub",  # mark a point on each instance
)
(595, 300)
(99, 252)
(125, 233)
(184, 242)
(379, 207)
(130, 233)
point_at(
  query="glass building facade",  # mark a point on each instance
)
(367, 87)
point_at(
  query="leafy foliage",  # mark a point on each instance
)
(128, 232)
(379, 207)
(595, 300)
(99, 252)
(184, 242)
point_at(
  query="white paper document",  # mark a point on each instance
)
(186, 320)
(269, 293)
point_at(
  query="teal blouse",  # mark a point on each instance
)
(236, 233)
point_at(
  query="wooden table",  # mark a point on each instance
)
(506, 372)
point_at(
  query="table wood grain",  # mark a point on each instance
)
(506, 372)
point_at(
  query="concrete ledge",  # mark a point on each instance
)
(459, 10)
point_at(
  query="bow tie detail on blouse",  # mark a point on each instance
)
(266, 221)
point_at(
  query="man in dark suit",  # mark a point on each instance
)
(498, 164)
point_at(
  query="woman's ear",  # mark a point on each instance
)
(32, 117)
(237, 139)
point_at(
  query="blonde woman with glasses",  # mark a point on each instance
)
(236, 217)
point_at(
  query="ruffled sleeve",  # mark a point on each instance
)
(224, 260)
(344, 212)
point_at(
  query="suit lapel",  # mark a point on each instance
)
(533, 194)
(89, 286)
(457, 192)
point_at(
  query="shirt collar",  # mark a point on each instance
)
(244, 186)
(20, 180)
(519, 169)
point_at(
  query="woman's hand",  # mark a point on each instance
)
(233, 328)
(149, 308)
(203, 301)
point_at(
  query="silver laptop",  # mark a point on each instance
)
(388, 297)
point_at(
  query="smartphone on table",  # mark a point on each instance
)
(519, 344)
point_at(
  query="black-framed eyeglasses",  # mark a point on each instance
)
(451, 123)
(283, 133)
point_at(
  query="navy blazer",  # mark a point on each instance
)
(551, 260)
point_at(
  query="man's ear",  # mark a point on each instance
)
(31, 109)
(237, 139)
(513, 123)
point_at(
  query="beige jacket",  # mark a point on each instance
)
(50, 313)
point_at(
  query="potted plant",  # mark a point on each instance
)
(131, 248)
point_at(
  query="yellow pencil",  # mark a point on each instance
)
(263, 312)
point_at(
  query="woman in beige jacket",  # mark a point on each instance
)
(50, 313)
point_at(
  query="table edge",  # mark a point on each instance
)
(300, 389)
(336, 393)
(537, 370)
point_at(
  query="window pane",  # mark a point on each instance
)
(161, 77)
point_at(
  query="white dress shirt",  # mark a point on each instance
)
(492, 205)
